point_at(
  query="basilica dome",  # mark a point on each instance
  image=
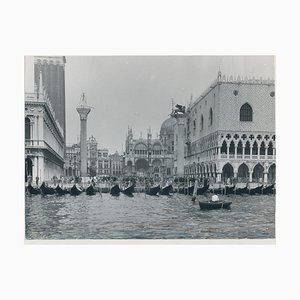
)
(167, 127)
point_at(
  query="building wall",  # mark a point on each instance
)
(258, 96)
(228, 142)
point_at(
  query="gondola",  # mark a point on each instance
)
(257, 190)
(75, 191)
(153, 191)
(181, 190)
(214, 204)
(115, 190)
(202, 190)
(90, 191)
(45, 190)
(32, 190)
(166, 190)
(217, 191)
(61, 191)
(128, 191)
(241, 191)
(268, 189)
(189, 190)
(229, 189)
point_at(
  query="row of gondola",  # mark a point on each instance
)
(91, 190)
(229, 190)
(153, 191)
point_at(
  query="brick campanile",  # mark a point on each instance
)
(83, 111)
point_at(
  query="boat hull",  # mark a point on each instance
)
(214, 205)
(75, 191)
(166, 190)
(61, 191)
(153, 191)
(115, 190)
(32, 190)
(128, 191)
(90, 191)
(46, 190)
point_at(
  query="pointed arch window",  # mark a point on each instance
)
(202, 123)
(246, 113)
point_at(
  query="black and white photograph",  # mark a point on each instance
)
(150, 147)
(149, 150)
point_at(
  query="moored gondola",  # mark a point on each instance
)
(115, 190)
(217, 191)
(90, 191)
(75, 191)
(214, 204)
(229, 190)
(268, 189)
(181, 190)
(189, 190)
(153, 191)
(128, 191)
(202, 190)
(240, 191)
(257, 190)
(32, 190)
(61, 191)
(166, 190)
(45, 190)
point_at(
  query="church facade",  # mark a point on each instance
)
(151, 157)
(229, 131)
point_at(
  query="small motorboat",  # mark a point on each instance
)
(268, 189)
(128, 191)
(90, 191)
(61, 191)
(214, 204)
(115, 190)
(32, 190)
(45, 190)
(166, 190)
(75, 191)
(153, 191)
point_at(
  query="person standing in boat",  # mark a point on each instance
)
(37, 180)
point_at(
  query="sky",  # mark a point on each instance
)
(137, 91)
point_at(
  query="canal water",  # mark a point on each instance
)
(147, 217)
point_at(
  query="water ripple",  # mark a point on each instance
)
(146, 217)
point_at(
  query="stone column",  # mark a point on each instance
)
(219, 177)
(265, 177)
(35, 170)
(250, 174)
(235, 151)
(266, 153)
(243, 151)
(227, 151)
(251, 156)
(219, 152)
(83, 111)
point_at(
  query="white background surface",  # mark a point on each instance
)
(149, 271)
